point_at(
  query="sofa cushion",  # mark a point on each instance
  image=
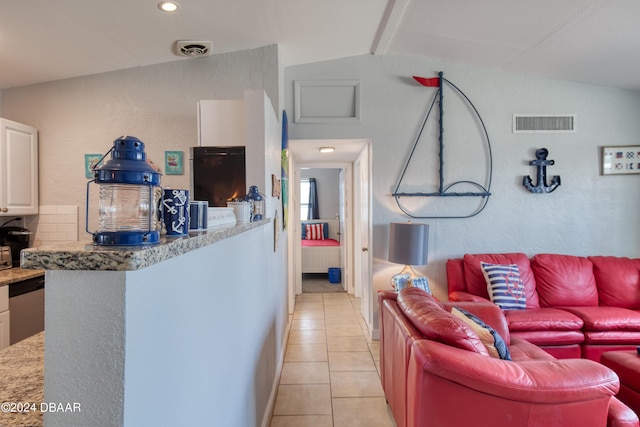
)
(490, 338)
(552, 338)
(564, 280)
(437, 324)
(543, 319)
(607, 319)
(477, 285)
(619, 339)
(617, 280)
(504, 286)
(522, 350)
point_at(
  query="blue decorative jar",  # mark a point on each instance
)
(257, 203)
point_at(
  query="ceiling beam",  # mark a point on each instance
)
(389, 25)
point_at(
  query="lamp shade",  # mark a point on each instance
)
(408, 243)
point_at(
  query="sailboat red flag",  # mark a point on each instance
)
(432, 82)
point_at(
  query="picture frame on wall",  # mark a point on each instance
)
(620, 160)
(275, 186)
(173, 162)
(90, 162)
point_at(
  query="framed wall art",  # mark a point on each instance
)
(90, 162)
(621, 160)
(275, 186)
(173, 161)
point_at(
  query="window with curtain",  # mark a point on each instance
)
(304, 199)
(309, 199)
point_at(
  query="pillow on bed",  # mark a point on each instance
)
(325, 229)
(315, 231)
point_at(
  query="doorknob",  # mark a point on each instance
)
(365, 249)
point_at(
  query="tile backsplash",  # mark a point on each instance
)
(54, 224)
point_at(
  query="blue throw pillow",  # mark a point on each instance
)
(496, 346)
(504, 286)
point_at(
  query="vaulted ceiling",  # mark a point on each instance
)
(592, 41)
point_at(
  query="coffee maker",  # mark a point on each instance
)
(17, 239)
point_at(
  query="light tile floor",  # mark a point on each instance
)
(331, 373)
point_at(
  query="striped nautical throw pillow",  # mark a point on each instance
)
(504, 285)
(315, 231)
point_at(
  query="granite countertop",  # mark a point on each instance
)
(22, 381)
(85, 256)
(17, 274)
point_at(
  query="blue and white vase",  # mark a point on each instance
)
(175, 209)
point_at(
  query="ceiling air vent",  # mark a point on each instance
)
(193, 49)
(550, 123)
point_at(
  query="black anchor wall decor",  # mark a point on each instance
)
(541, 163)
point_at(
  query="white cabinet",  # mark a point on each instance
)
(18, 169)
(4, 317)
(221, 123)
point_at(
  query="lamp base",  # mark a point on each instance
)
(407, 278)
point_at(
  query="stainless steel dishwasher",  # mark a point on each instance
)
(26, 309)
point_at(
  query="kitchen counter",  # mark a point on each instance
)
(128, 326)
(17, 274)
(22, 381)
(85, 256)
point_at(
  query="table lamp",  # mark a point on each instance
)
(409, 245)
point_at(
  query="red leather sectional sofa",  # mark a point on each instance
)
(575, 306)
(435, 373)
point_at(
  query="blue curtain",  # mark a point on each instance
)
(313, 212)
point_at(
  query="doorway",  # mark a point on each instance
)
(321, 197)
(352, 159)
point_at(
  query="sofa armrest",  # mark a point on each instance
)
(384, 294)
(465, 296)
(535, 381)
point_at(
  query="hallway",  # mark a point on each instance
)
(330, 376)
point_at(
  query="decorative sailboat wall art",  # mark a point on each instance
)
(449, 167)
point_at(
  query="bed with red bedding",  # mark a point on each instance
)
(316, 243)
(320, 250)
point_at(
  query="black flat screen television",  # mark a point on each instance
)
(218, 174)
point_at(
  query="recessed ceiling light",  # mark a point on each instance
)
(327, 149)
(168, 6)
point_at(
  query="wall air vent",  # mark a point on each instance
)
(550, 123)
(193, 49)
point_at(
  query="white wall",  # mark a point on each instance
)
(588, 214)
(195, 340)
(156, 103)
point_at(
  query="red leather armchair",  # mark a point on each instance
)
(433, 377)
(452, 387)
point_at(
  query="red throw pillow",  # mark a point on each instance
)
(315, 231)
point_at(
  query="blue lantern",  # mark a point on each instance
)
(129, 197)
(257, 203)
